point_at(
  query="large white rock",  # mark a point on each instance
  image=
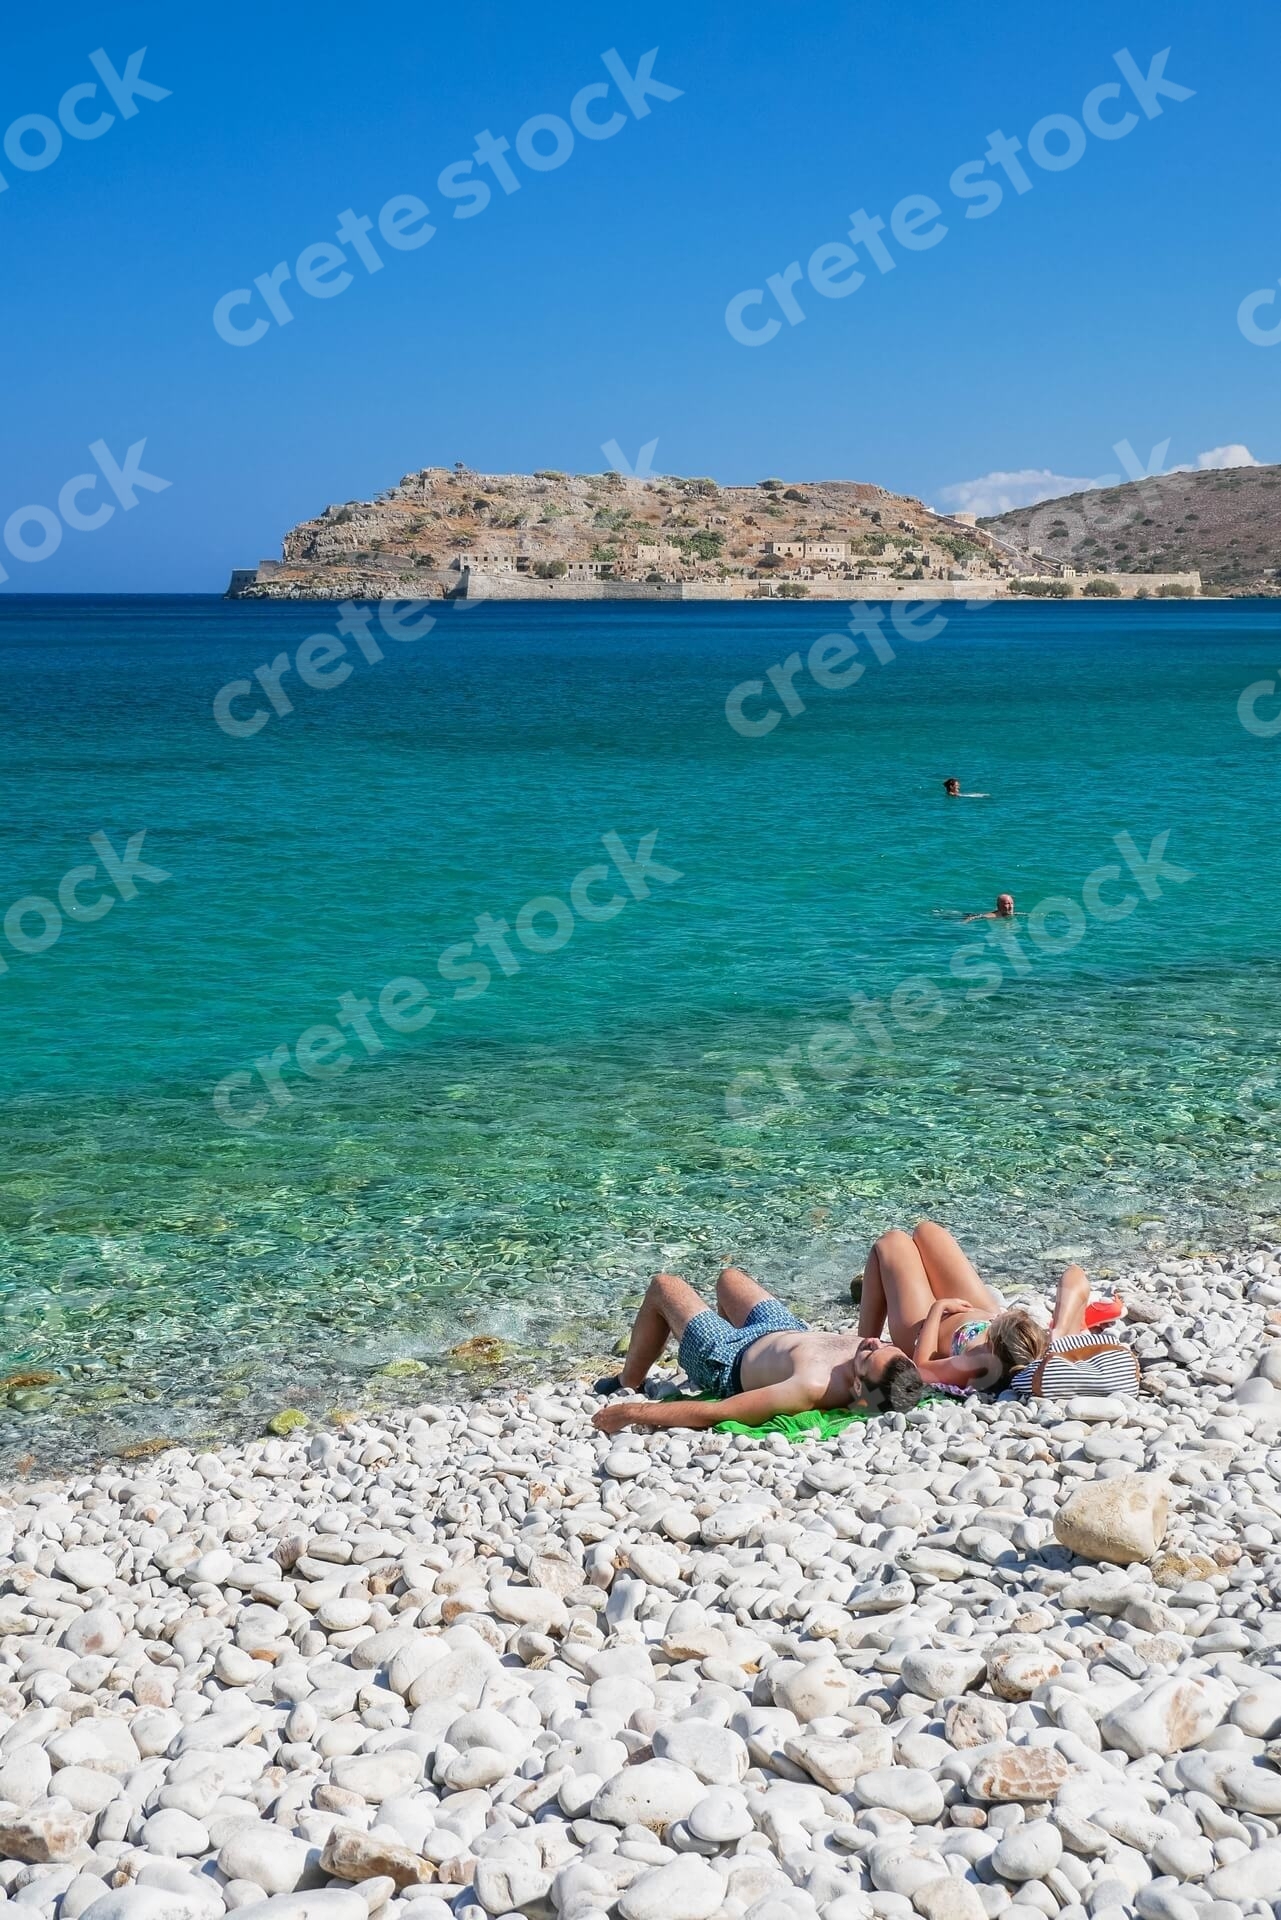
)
(721, 1817)
(487, 1727)
(24, 1776)
(47, 1830)
(653, 1793)
(938, 1673)
(85, 1568)
(535, 1607)
(906, 1790)
(1028, 1852)
(378, 1776)
(269, 1857)
(1166, 1716)
(812, 1690)
(837, 1762)
(1122, 1519)
(146, 1903)
(513, 1886)
(458, 1679)
(1251, 1789)
(324, 1903)
(175, 1834)
(231, 1721)
(1255, 1876)
(1257, 1710)
(96, 1631)
(944, 1899)
(377, 1649)
(654, 1566)
(80, 1894)
(88, 1790)
(716, 1754)
(103, 1743)
(732, 1523)
(684, 1889)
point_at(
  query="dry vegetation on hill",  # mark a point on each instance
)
(1224, 523)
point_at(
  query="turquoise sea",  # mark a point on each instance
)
(519, 1165)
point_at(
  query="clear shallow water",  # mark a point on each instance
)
(520, 1165)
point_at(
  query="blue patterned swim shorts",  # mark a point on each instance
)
(711, 1350)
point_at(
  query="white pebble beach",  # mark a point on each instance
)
(477, 1661)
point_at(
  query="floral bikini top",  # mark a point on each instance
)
(971, 1333)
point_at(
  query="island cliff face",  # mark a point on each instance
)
(454, 533)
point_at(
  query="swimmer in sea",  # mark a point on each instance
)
(952, 788)
(1004, 910)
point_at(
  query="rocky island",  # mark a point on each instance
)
(454, 533)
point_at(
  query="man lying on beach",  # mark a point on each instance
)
(961, 1333)
(1004, 909)
(755, 1356)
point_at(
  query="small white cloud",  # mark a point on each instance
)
(1003, 492)
(1230, 456)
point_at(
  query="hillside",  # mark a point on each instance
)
(446, 531)
(1224, 523)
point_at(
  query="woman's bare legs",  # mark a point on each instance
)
(1072, 1299)
(950, 1272)
(896, 1288)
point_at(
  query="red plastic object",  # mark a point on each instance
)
(1100, 1312)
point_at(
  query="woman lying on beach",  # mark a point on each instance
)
(755, 1356)
(961, 1334)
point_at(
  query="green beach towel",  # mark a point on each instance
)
(817, 1424)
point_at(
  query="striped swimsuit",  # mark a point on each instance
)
(1079, 1363)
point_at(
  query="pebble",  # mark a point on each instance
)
(1120, 1519)
(685, 1889)
(653, 1793)
(906, 1790)
(716, 1754)
(1166, 1716)
(981, 1662)
(721, 1817)
(267, 1855)
(941, 1673)
(1028, 1852)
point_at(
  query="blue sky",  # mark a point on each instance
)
(589, 305)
